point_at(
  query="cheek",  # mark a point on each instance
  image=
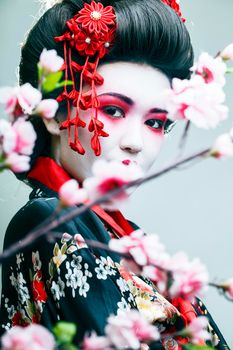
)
(110, 124)
(152, 145)
(114, 127)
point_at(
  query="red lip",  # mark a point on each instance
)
(128, 162)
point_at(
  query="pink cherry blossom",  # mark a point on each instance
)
(190, 277)
(7, 137)
(196, 330)
(71, 194)
(145, 249)
(109, 176)
(129, 329)
(196, 101)
(18, 137)
(94, 342)
(47, 108)
(212, 69)
(16, 144)
(33, 337)
(28, 97)
(159, 276)
(20, 100)
(25, 137)
(50, 62)
(227, 53)
(8, 96)
(223, 146)
(17, 163)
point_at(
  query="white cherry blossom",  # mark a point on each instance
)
(194, 100)
(20, 100)
(212, 69)
(129, 329)
(196, 330)
(50, 62)
(47, 108)
(109, 176)
(227, 52)
(71, 194)
(33, 337)
(223, 146)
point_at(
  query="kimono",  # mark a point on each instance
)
(59, 278)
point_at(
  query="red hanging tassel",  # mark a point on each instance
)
(91, 32)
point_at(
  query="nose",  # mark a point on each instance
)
(132, 140)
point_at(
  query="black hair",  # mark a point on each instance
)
(148, 31)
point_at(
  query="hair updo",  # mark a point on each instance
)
(148, 31)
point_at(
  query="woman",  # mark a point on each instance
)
(61, 280)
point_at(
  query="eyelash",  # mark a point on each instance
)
(161, 124)
(107, 110)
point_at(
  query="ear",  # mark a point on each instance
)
(52, 126)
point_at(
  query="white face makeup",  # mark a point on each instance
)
(132, 110)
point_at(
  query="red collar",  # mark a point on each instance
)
(53, 176)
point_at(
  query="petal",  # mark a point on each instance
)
(83, 19)
(93, 27)
(109, 9)
(103, 27)
(100, 7)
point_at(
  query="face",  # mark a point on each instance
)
(132, 110)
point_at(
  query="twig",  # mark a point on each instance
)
(221, 291)
(183, 139)
(41, 231)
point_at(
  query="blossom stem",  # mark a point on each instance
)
(221, 289)
(43, 230)
(183, 139)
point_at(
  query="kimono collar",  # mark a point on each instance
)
(47, 172)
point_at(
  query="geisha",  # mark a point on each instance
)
(120, 57)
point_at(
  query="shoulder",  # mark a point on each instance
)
(33, 213)
(37, 210)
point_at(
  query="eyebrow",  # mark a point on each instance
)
(158, 110)
(130, 102)
(124, 98)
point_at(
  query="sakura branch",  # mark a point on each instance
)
(105, 189)
(144, 255)
(225, 288)
(105, 199)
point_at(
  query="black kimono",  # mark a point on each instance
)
(60, 279)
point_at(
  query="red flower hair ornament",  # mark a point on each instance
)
(174, 4)
(91, 32)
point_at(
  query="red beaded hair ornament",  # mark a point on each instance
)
(91, 32)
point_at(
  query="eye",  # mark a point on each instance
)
(155, 123)
(113, 111)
